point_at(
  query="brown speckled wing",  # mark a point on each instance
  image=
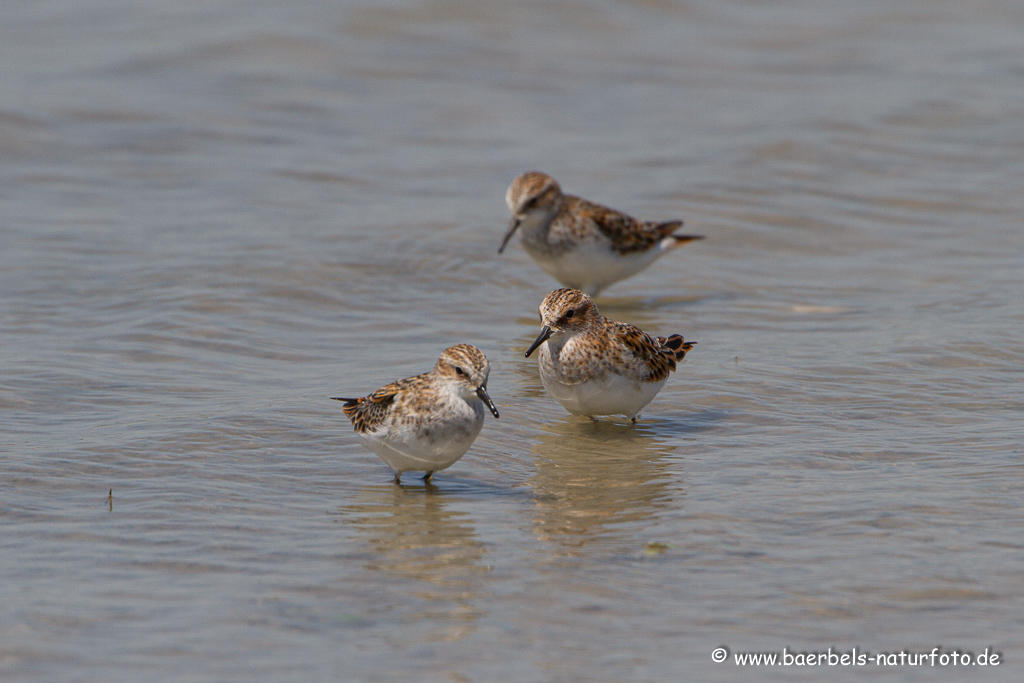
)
(658, 354)
(626, 234)
(370, 412)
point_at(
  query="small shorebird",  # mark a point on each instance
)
(595, 366)
(427, 422)
(581, 244)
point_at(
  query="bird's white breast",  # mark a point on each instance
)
(591, 264)
(431, 445)
(600, 393)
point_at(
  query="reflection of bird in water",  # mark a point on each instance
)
(415, 534)
(592, 476)
(416, 537)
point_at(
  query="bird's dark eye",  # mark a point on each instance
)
(459, 371)
(532, 203)
(570, 313)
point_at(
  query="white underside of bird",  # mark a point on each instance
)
(610, 394)
(593, 266)
(431, 448)
(590, 264)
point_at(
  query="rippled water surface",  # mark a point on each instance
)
(215, 215)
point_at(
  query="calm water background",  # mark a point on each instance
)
(214, 215)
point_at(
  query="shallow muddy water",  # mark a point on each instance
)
(217, 215)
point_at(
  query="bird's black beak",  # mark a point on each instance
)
(545, 332)
(482, 393)
(512, 225)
